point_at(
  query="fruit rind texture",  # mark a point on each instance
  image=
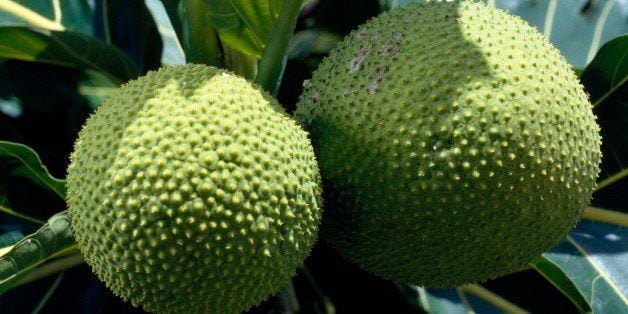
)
(190, 190)
(455, 144)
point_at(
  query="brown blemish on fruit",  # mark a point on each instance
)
(358, 58)
(379, 76)
(390, 47)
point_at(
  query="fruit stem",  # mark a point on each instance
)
(606, 216)
(612, 179)
(493, 299)
(272, 62)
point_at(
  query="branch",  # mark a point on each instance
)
(493, 299)
(612, 179)
(606, 216)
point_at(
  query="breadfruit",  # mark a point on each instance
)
(192, 191)
(454, 141)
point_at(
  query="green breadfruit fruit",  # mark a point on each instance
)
(192, 191)
(455, 144)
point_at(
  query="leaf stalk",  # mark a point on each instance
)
(606, 216)
(272, 62)
(493, 299)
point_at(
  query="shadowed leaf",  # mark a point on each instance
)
(561, 281)
(75, 15)
(244, 25)
(606, 81)
(595, 257)
(66, 49)
(130, 26)
(20, 160)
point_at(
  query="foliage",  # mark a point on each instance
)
(60, 59)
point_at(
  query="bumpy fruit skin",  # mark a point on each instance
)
(455, 144)
(192, 191)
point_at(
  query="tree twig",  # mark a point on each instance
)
(606, 216)
(493, 299)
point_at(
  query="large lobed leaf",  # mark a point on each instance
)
(554, 274)
(21, 161)
(169, 29)
(244, 25)
(75, 15)
(595, 257)
(63, 33)
(606, 81)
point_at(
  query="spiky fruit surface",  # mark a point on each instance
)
(456, 143)
(191, 191)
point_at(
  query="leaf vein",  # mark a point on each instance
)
(587, 257)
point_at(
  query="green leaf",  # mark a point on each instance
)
(200, 41)
(130, 26)
(51, 240)
(75, 15)
(171, 7)
(576, 28)
(95, 87)
(242, 64)
(273, 61)
(244, 25)
(22, 161)
(66, 49)
(606, 81)
(561, 281)
(438, 301)
(169, 28)
(608, 72)
(450, 301)
(595, 257)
